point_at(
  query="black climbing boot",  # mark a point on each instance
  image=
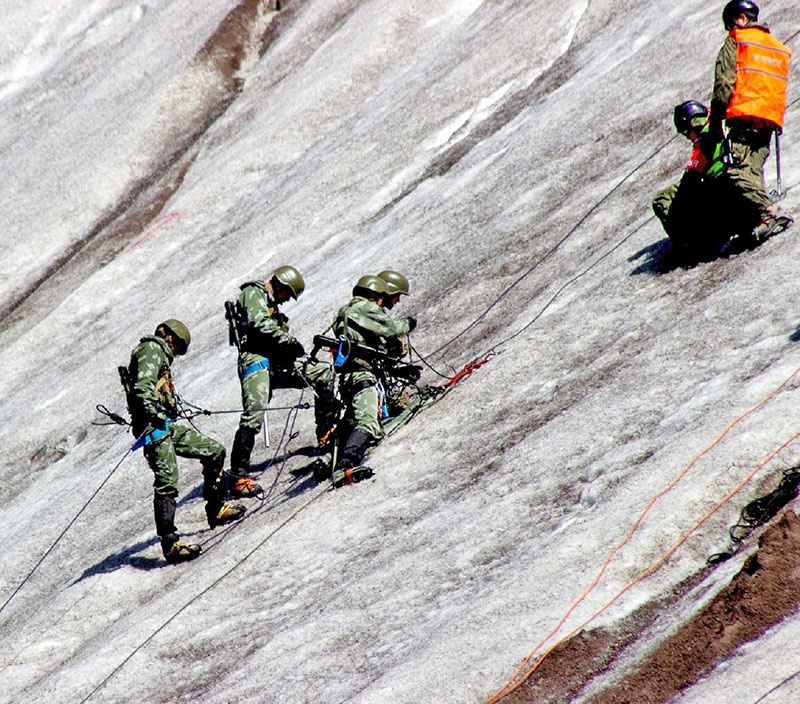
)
(242, 448)
(349, 469)
(351, 475)
(353, 449)
(164, 513)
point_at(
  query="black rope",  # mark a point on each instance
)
(759, 511)
(777, 687)
(198, 411)
(569, 283)
(288, 428)
(427, 363)
(114, 418)
(200, 594)
(64, 532)
(555, 247)
(494, 348)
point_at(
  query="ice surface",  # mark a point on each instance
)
(475, 146)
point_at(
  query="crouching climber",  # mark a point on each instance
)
(691, 211)
(363, 323)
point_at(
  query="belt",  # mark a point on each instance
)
(151, 437)
(254, 367)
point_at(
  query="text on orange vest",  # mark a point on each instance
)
(762, 76)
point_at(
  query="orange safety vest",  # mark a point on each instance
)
(762, 76)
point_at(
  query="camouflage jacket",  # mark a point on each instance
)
(152, 385)
(364, 322)
(266, 334)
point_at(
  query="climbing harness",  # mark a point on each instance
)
(152, 436)
(253, 368)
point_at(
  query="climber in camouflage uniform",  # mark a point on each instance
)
(397, 286)
(153, 405)
(363, 321)
(396, 386)
(269, 357)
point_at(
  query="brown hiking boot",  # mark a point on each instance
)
(228, 513)
(246, 488)
(182, 552)
(770, 226)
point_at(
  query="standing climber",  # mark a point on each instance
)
(269, 357)
(153, 405)
(750, 81)
(363, 322)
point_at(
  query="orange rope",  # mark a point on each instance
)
(516, 680)
(466, 371)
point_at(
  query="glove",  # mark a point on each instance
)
(394, 347)
(412, 322)
(296, 349)
(411, 372)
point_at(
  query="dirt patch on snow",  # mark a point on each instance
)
(242, 37)
(764, 592)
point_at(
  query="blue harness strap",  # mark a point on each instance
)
(382, 400)
(150, 437)
(254, 367)
(342, 353)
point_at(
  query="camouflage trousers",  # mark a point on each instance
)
(662, 202)
(364, 403)
(257, 389)
(181, 441)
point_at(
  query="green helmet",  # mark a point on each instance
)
(375, 284)
(291, 278)
(395, 281)
(178, 329)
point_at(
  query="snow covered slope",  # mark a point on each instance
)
(503, 156)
